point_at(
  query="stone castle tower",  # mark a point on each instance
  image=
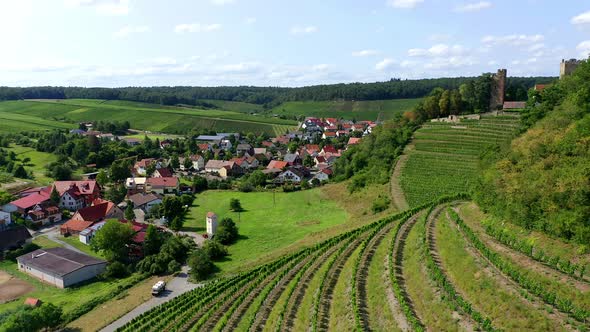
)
(498, 90)
(567, 67)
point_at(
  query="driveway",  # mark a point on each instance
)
(54, 235)
(177, 286)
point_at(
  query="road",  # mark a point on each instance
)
(174, 288)
(53, 234)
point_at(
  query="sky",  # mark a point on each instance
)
(114, 43)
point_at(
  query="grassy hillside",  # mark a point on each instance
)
(444, 157)
(359, 110)
(47, 114)
(235, 106)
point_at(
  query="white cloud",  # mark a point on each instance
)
(512, 40)
(385, 64)
(536, 47)
(128, 30)
(222, 2)
(583, 18)
(450, 62)
(365, 53)
(103, 7)
(196, 27)
(473, 7)
(437, 50)
(250, 20)
(584, 49)
(302, 30)
(404, 3)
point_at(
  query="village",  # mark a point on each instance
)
(78, 209)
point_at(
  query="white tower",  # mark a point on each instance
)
(211, 223)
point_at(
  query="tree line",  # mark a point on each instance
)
(269, 96)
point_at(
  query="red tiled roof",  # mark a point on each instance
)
(278, 164)
(76, 225)
(145, 162)
(329, 134)
(139, 237)
(353, 140)
(210, 214)
(312, 147)
(165, 172)
(329, 149)
(203, 146)
(541, 87)
(163, 182)
(33, 302)
(83, 187)
(96, 212)
(514, 104)
(31, 200)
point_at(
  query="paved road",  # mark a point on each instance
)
(53, 234)
(174, 288)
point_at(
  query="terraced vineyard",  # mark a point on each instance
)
(51, 114)
(423, 269)
(444, 157)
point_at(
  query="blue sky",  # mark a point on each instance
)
(288, 43)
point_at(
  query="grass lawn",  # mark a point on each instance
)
(38, 161)
(266, 227)
(44, 242)
(75, 242)
(152, 136)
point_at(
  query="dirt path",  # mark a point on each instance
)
(397, 193)
(524, 260)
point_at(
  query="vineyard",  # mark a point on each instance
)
(445, 156)
(433, 267)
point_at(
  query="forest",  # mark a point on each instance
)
(517, 88)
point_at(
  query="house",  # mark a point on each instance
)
(319, 160)
(135, 185)
(131, 141)
(14, 237)
(5, 220)
(165, 144)
(541, 87)
(60, 267)
(321, 176)
(514, 105)
(198, 162)
(246, 162)
(328, 149)
(353, 141)
(141, 166)
(329, 134)
(44, 215)
(214, 166)
(223, 168)
(163, 173)
(204, 147)
(145, 202)
(211, 139)
(76, 194)
(267, 144)
(244, 148)
(291, 175)
(107, 136)
(86, 235)
(162, 186)
(292, 159)
(24, 204)
(277, 164)
(312, 149)
(87, 216)
(211, 222)
(259, 151)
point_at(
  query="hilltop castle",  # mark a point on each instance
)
(567, 67)
(498, 90)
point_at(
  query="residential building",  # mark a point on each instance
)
(60, 267)
(290, 175)
(76, 194)
(86, 235)
(24, 204)
(87, 216)
(145, 201)
(244, 148)
(277, 164)
(141, 166)
(162, 186)
(135, 185)
(44, 215)
(163, 173)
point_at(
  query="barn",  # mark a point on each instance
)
(60, 267)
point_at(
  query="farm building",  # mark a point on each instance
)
(60, 267)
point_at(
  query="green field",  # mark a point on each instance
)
(49, 114)
(264, 226)
(445, 156)
(236, 106)
(38, 161)
(359, 110)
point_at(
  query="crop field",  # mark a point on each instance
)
(444, 157)
(359, 110)
(50, 114)
(428, 268)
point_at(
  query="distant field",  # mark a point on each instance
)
(236, 106)
(47, 114)
(359, 110)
